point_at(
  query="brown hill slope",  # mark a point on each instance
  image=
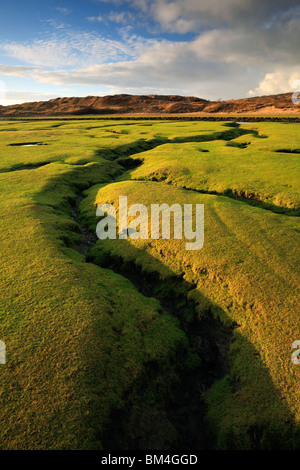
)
(152, 104)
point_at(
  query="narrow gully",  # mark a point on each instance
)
(209, 339)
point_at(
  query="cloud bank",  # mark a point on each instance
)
(238, 48)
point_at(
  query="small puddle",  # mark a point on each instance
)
(26, 144)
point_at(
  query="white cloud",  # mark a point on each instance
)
(64, 11)
(199, 67)
(280, 81)
(69, 48)
(240, 46)
(47, 53)
(95, 18)
(55, 24)
(118, 17)
(10, 97)
(17, 70)
(163, 66)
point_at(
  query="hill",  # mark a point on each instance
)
(152, 104)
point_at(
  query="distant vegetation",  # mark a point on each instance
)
(108, 342)
(272, 105)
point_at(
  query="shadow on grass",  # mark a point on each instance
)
(205, 405)
(210, 407)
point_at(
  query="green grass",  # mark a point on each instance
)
(249, 167)
(247, 273)
(81, 339)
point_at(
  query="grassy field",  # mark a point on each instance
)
(254, 166)
(91, 354)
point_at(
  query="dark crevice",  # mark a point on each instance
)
(240, 145)
(296, 151)
(122, 155)
(208, 338)
(251, 199)
(176, 420)
(181, 413)
(25, 167)
(88, 238)
(128, 150)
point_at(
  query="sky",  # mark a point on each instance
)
(213, 49)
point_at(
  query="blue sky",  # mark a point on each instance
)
(212, 49)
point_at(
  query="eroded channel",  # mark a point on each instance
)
(182, 421)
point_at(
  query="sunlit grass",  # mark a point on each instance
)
(80, 338)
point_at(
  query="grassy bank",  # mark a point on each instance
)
(83, 344)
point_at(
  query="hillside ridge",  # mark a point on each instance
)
(152, 104)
